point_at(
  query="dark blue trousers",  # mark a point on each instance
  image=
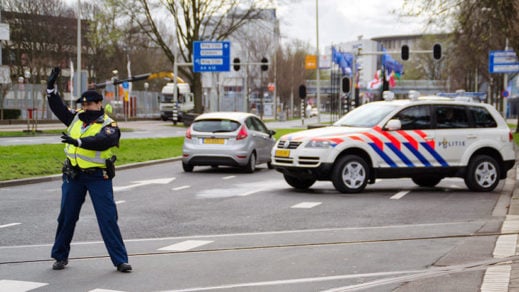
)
(101, 194)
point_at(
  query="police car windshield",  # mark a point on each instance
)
(367, 115)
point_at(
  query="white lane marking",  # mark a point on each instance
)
(306, 205)
(496, 278)
(229, 177)
(185, 245)
(104, 290)
(19, 286)
(296, 281)
(160, 181)
(181, 188)
(120, 202)
(399, 195)
(240, 190)
(9, 225)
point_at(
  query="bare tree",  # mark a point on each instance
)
(290, 68)
(190, 21)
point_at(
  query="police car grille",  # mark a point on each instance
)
(283, 160)
(308, 160)
(291, 144)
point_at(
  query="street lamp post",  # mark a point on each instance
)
(318, 77)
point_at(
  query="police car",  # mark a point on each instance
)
(423, 138)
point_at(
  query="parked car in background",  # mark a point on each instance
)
(229, 139)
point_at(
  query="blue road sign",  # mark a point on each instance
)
(503, 62)
(211, 56)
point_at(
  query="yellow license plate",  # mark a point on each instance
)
(282, 153)
(214, 141)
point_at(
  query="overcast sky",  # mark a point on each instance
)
(343, 20)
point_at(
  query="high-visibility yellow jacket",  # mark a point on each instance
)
(85, 158)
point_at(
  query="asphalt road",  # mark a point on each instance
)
(223, 230)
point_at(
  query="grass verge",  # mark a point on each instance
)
(24, 161)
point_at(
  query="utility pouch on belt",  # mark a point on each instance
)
(70, 171)
(110, 167)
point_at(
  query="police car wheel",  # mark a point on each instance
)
(483, 174)
(350, 174)
(187, 167)
(251, 165)
(298, 183)
(426, 181)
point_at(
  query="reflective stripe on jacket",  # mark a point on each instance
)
(85, 158)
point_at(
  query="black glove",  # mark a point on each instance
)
(53, 77)
(69, 140)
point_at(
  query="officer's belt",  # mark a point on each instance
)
(91, 171)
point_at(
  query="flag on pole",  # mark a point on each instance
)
(376, 82)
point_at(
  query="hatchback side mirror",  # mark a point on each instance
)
(393, 125)
(271, 133)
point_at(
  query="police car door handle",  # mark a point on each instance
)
(472, 136)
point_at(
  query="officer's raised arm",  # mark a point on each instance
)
(56, 104)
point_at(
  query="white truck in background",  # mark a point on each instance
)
(168, 105)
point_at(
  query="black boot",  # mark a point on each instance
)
(124, 268)
(59, 265)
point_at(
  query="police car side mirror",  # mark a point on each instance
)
(393, 125)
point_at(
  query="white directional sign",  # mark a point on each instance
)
(209, 56)
(503, 62)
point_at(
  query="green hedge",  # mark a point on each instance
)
(12, 114)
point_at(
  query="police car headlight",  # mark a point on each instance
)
(318, 144)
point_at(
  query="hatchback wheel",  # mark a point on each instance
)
(483, 174)
(299, 183)
(251, 166)
(187, 167)
(350, 174)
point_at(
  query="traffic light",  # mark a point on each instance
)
(236, 64)
(302, 92)
(405, 52)
(264, 64)
(437, 51)
(346, 85)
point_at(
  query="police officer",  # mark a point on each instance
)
(89, 139)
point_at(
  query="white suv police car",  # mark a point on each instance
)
(425, 139)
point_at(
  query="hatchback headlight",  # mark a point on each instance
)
(319, 144)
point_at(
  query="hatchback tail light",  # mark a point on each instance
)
(510, 137)
(188, 133)
(242, 134)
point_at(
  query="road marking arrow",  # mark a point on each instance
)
(160, 181)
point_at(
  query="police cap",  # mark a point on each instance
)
(90, 95)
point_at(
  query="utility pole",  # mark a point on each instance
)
(503, 99)
(318, 77)
(78, 71)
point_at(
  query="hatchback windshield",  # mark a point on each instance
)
(366, 116)
(215, 125)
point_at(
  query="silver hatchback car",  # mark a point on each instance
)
(227, 138)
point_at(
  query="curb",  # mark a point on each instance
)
(32, 180)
